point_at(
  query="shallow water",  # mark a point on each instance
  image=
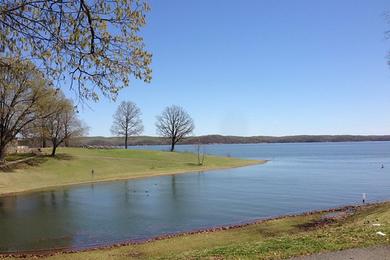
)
(299, 177)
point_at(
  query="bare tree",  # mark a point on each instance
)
(64, 123)
(38, 130)
(22, 90)
(127, 121)
(174, 123)
(89, 43)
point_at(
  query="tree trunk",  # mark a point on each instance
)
(172, 145)
(66, 140)
(53, 150)
(55, 144)
(2, 154)
(43, 142)
(126, 141)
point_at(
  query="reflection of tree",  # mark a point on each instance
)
(126, 187)
(7, 204)
(65, 198)
(53, 199)
(173, 185)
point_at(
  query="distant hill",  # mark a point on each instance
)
(222, 139)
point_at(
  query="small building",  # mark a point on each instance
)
(14, 147)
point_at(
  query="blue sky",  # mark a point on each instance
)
(264, 67)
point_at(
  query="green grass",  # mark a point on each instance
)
(272, 239)
(74, 166)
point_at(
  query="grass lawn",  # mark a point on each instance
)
(272, 239)
(74, 166)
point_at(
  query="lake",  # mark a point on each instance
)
(300, 177)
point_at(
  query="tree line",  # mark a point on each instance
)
(31, 107)
(174, 123)
(223, 139)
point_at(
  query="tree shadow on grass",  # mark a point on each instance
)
(194, 164)
(34, 162)
(61, 156)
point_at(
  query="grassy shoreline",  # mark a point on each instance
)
(73, 166)
(274, 238)
(151, 175)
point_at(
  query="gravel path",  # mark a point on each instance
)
(373, 253)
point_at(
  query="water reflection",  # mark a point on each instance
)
(35, 221)
(173, 186)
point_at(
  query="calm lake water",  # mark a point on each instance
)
(299, 177)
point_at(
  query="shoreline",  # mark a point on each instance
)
(156, 174)
(59, 251)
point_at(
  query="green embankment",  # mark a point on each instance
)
(75, 166)
(272, 239)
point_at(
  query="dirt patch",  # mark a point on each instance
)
(328, 218)
(316, 224)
